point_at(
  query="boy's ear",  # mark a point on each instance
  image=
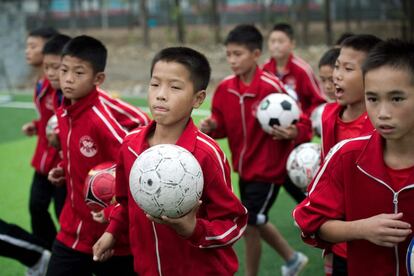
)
(99, 78)
(199, 98)
(257, 53)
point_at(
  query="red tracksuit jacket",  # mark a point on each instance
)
(255, 155)
(353, 184)
(89, 135)
(330, 115)
(300, 78)
(221, 219)
(45, 157)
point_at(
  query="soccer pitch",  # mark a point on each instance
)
(15, 155)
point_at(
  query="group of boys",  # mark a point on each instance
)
(372, 83)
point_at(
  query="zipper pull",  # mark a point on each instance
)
(395, 201)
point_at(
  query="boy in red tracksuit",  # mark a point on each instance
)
(294, 72)
(45, 156)
(363, 193)
(326, 67)
(296, 75)
(51, 64)
(89, 135)
(346, 118)
(258, 158)
(199, 243)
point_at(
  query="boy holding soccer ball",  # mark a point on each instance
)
(258, 157)
(363, 193)
(199, 243)
(90, 136)
(347, 117)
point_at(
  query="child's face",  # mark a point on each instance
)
(347, 76)
(51, 65)
(171, 95)
(280, 45)
(241, 59)
(326, 76)
(34, 47)
(77, 78)
(389, 98)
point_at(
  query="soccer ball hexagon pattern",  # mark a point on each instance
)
(303, 163)
(277, 109)
(166, 180)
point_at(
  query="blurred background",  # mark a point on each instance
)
(134, 30)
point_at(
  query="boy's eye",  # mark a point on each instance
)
(79, 73)
(154, 84)
(371, 99)
(397, 99)
(176, 87)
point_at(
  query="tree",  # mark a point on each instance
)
(104, 13)
(179, 22)
(305, 22)
(215, 20)
(144, 22)
(44, 10)
(328, 21)
(347, 16)
(407, 19)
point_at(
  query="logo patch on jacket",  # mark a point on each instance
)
(87, 146)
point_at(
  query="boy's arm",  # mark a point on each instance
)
(325, 202)
(126, 115)
(118, 218)
(384, 230)
(216, 127)
(304, 128)
(221, 218)
(313, 91)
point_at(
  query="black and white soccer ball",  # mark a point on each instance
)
(166, 180)
(277, 109)
(303, 164)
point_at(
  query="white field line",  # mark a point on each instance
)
(29, 105)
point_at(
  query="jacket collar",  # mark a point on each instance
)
(252, 89)
(187, 139)
(371, 160)
(78, 107)
(288, 66)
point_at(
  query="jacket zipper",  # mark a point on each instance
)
(68, 155)
(395, 202)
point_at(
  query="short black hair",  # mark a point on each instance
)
(342, 38)
(44, 32)
(286, 28)
(361, 42)
(195, 62)
(395, 53)
(329, 57)
(54, 45)
(246, 35)
(88, 49)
